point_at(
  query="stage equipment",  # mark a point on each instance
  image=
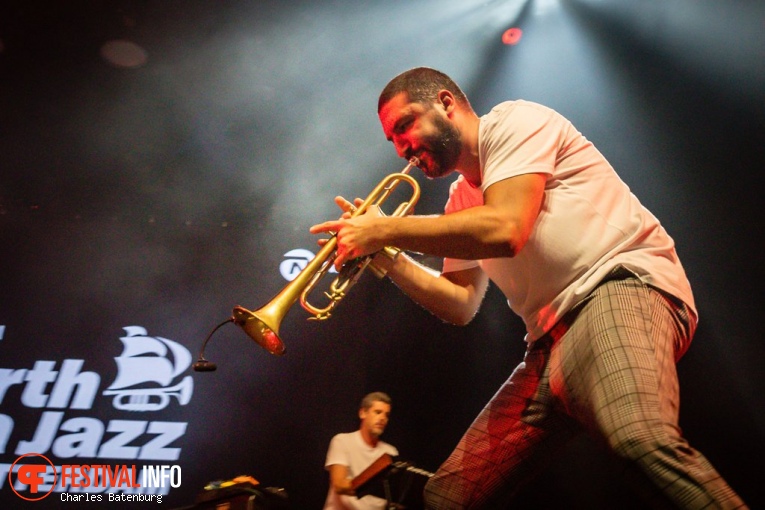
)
(263, 324)
(399, 483)
(240, 493)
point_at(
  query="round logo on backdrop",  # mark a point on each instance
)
(294, 262)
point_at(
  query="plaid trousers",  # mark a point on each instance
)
(607, 367)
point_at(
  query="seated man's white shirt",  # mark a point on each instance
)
(350, 450)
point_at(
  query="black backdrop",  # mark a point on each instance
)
(160, 196)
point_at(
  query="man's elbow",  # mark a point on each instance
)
(343, 488)
(460, 316)
(461, 321)
(506, 240)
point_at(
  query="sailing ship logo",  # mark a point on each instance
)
(144, 360)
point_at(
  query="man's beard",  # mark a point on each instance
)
(443, 148)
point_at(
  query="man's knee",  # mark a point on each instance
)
(646, 447)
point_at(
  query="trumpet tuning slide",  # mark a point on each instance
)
(258, 329)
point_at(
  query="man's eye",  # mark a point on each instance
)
(404, 126)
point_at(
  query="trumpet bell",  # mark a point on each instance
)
(257, 325)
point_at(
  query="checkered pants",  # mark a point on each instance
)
(607, 367)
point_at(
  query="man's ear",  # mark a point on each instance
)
(447, 100)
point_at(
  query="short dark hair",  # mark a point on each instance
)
(422, 85)
(371, 398)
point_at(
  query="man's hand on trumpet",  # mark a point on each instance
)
(356, 236)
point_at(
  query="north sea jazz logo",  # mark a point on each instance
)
(144, 360)
(127, 458)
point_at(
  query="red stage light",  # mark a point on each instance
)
(512, 35)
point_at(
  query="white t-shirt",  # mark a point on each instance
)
(589, 222)
(350, 450)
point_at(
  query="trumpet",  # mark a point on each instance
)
(151, 399)
(262, 325)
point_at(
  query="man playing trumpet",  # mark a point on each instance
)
(607, 306)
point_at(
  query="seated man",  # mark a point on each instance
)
(351, 453)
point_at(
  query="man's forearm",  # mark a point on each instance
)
(470, 234)
(453, 303)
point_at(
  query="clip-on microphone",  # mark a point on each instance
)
(203, 365)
